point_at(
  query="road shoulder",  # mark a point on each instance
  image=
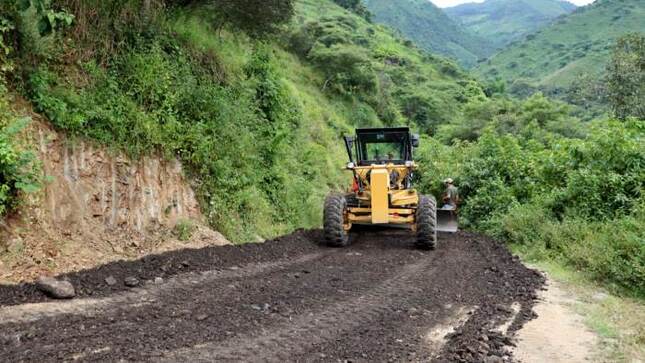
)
(558, 334)
(579, 321)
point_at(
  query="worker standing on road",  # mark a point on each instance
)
(451, 195)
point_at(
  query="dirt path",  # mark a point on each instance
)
(558, 335)
(287, 299)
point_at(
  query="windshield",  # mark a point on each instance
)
(383, 151)
(382, 146)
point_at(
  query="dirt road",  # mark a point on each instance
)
(288, 299)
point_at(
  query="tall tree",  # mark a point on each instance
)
(357, 7)
(626, 77)
(257, 18)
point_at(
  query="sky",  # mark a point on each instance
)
(447, 3)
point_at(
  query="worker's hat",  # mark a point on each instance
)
(448, 181)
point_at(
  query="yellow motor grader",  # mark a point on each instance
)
(381, 160)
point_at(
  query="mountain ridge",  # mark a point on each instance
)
(503, 21)
(431, 29)
(580, 43)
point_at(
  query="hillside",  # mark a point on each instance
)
(551, 58)
(255, 123)
(431, 29)
(502, 21)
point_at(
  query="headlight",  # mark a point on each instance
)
(350, 165)
(408, 164)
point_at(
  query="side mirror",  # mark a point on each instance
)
(415, 140)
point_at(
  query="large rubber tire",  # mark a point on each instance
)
(427, 223)
(333, 221)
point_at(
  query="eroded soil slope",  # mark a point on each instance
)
(96, 206)
(287, 299)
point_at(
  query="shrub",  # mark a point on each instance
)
(346, 67)
(18, 171)
(626, 77)
(356, 6)
(184, 229)
(576, 200)
(257, 18)
(611, 252)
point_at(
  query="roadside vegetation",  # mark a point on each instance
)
(255, 109)
(18, 169)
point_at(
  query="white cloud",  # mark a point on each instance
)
(448, 3)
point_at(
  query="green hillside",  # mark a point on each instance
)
(430, 28)
(550, 59)
(255, 117)
(502, 21)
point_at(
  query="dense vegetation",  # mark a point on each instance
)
(576, 200)
(573, 47)
(18, 172)
(503, 21)
(255, 113)
(430, 28)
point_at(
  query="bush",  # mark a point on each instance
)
(18, 171)
(347, 68)
(612, 252)
(576, 200)
(184, 229)
(356, 6)
(625, 79)
(257, 18)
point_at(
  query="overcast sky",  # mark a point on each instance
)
(447, 3)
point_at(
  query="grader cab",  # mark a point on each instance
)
(382, 164)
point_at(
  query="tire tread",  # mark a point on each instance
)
(333, 221)
(426, 217)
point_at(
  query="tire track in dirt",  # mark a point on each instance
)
(137, 297)
(286, 300)
(298, 335)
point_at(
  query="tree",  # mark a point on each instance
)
(588, 91)
(346, 67)
(625, 77)
(357, 7)
(257, 18)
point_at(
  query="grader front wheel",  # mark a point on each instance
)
(334, 220)
(426, 217)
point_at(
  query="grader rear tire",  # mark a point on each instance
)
(333, 221)
(426, 223)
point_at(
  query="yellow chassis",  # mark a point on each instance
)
(387, 205)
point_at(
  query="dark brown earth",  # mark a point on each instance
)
(290, 299)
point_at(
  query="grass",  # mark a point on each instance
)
(184, 229)
(618, 321)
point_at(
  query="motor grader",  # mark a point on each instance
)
(382, 164)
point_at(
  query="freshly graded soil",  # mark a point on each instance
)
(289, 299)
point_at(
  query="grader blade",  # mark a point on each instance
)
(447, 220)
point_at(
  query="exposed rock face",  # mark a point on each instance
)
(97, 206)
(91, 185)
